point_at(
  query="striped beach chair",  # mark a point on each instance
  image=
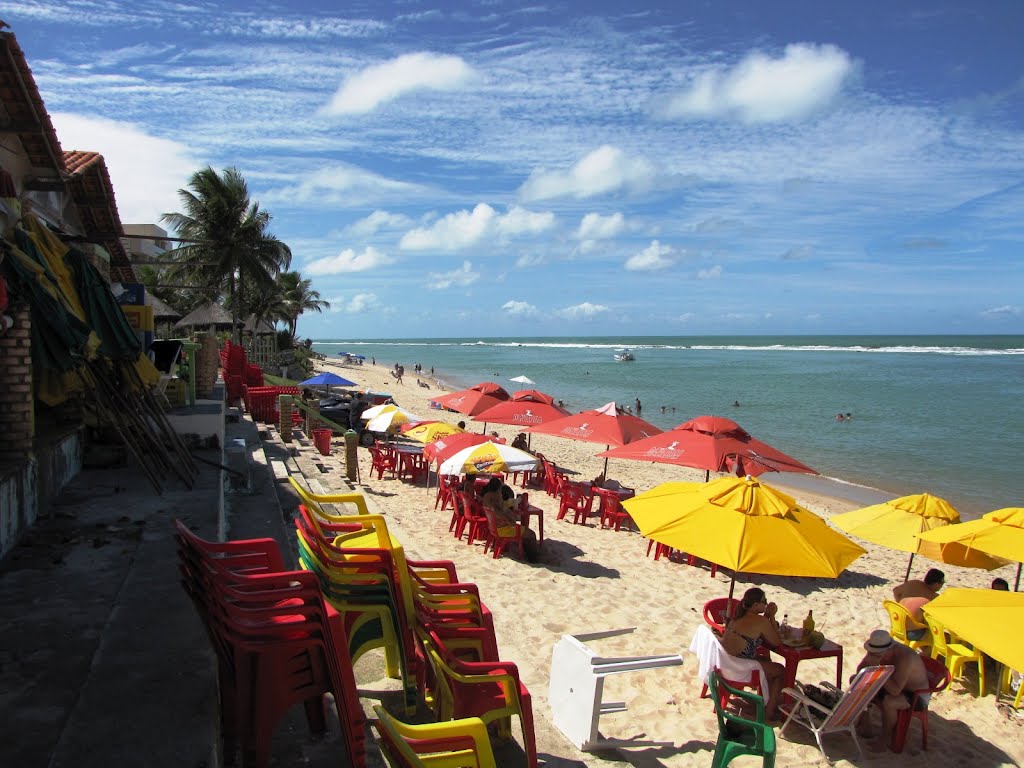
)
(820, 720)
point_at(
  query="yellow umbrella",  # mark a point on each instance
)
(431, 431)
(999, 533)
(991, 620)
(897, 522)
(742, 524)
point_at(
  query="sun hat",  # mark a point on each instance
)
(879, 642)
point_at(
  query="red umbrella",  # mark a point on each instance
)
(526, 408)
(474, 400)
(606, 424)
(711, 443)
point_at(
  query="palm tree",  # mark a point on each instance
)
(299, 297)
(229, 246)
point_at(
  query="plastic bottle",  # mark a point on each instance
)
(784, 627)
(809, 624)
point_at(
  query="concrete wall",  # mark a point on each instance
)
(31, 485)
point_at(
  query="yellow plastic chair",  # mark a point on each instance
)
(1004, 686)
(456, 744)
(955, 654)
(898, 617)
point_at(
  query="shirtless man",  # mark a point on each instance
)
(908, 675)
(915, 593)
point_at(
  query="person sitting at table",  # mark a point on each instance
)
(913, 594)
(520, 442)
(753, 626)
(499, 503)
(908, 675)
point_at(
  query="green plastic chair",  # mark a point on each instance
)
(737, 735)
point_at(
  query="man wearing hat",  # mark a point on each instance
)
(908, 675)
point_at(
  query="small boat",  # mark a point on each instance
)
(623, 355)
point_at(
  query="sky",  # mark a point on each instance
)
(491, 168)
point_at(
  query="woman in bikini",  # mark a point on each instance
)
(753, 626)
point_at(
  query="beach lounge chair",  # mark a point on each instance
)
(820, 720)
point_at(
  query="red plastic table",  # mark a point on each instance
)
(795, 654)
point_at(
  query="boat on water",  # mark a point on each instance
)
(624, 355)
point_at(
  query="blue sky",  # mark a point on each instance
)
(501, 168)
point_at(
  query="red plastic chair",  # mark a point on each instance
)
(491, 691)
(277, 643)
(938, 680)
(447, 487)
(413, 467)
(474, 521)
(716, 611)
(613, 514)
(576, 497)
(382, 462)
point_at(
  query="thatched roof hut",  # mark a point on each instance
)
(208, 314)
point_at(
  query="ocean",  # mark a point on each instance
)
(936, 414)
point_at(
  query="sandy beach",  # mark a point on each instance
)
(590, 579)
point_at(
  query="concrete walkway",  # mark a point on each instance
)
(104, 661)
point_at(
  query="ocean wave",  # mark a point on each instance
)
(855, 348)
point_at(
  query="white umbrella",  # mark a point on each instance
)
(523, 380)
(387, 417)
(488, 457)
(377, 410)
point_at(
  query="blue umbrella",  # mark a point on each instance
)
(326, 379)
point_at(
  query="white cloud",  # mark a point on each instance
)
(654, 257)
(762, 89)
(461, 278)
(361, 302)
(146, 171)
(453, 232)
(605, 170)
(376, 221)
(365, 91)
(340, 184)
(594, 226)
(686, 317)
(1006, 310)
(519, 308)
(713, 273)
(347, 261)
(530, 260)
(583, 311)
(520, 221)
(464, 229)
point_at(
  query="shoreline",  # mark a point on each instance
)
(834, 488)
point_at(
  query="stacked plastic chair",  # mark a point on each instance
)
(233, 362)
(361, 584)
(456, 743)
(277, 644)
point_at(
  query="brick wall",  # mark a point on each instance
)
(207, 363)
(16, 398)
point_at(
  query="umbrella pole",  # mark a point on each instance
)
(732, 587)
(909, 564)
(1016, 587)
(707, 476)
